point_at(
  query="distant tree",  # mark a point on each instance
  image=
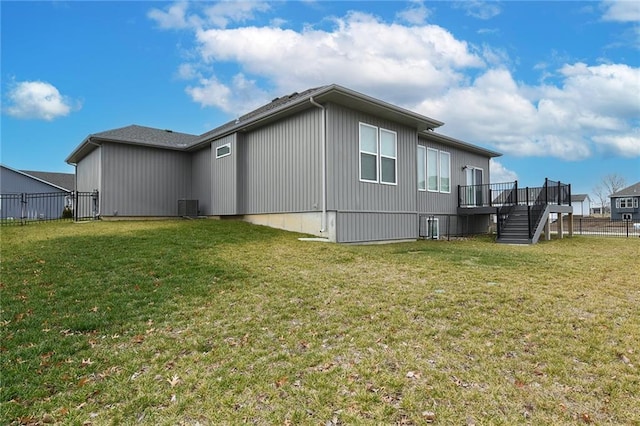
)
(609, 184)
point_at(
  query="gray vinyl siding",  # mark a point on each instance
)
(280, 170)
(361, 227)
(437, 202)
(35, 206)
(201, 180)
(89, 172)
(224, 177)
(16, 183)
(140, 181)
(345, 190)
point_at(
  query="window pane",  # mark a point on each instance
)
(368, 139)
(432, 169)
(223, 150)
(445, 173)
(387, 170)
(422, 168)
(368, 167)
(387, 143)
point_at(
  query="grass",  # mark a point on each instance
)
(222, 322)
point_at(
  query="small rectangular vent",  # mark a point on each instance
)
(188, 208)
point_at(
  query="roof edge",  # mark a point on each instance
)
(321, 92)
(35, 178)
(457, 142)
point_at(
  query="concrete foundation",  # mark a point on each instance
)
(304, 223)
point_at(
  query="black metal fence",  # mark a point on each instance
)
(26, 208)
(600, 227)
(447, 226)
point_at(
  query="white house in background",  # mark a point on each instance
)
(581, 204)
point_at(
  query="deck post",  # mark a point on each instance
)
(547, 228)
(560, 226)
(571, 224)
(546, 190)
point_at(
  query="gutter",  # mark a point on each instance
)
(323, 220)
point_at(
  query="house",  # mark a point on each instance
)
(18, 189)
(328, 161)
(625, 203)
(581, 204)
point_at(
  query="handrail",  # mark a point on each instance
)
(508, 193)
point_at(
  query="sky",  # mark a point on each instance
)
(553, 86)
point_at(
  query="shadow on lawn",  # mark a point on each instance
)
(60, 294)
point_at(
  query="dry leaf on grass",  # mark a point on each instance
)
(173, 381)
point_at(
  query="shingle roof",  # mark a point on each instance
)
(63, 180)
(629, 191)
(274, 110)
(274, 104)
(148, 136)
(579, 197)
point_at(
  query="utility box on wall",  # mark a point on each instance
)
(188, 208)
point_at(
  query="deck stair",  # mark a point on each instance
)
(516, 228)
(522, 213)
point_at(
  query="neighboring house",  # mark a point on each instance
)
(581, 204)
(329, 161)
(14, 183)
(600, 211)
(625, 204)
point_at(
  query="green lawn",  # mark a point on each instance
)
(222, 322)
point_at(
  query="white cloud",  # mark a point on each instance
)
(188, 71)
(625, 145)
(173, 17)
(241, 96)
(621, 11)
(37, 100)
(399, 63)
(587, 109)
(499, 174)
(223, 13)
(480, 9)
(417, 13)
(595, 109)
(218, 15)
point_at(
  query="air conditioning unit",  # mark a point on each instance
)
(188, 208)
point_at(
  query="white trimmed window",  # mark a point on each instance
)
(388, 157)
(378, 155)
(445, 172)
(223, 150)
(627, 203)
(368, 153)
(432, 170)
(422, 168)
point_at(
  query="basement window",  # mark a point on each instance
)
(223, 150)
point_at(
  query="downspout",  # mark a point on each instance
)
(99, 212)
(323, 220)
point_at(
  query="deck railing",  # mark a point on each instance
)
(509, 193)
(504, 197)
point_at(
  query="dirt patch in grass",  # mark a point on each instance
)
(215, 322)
